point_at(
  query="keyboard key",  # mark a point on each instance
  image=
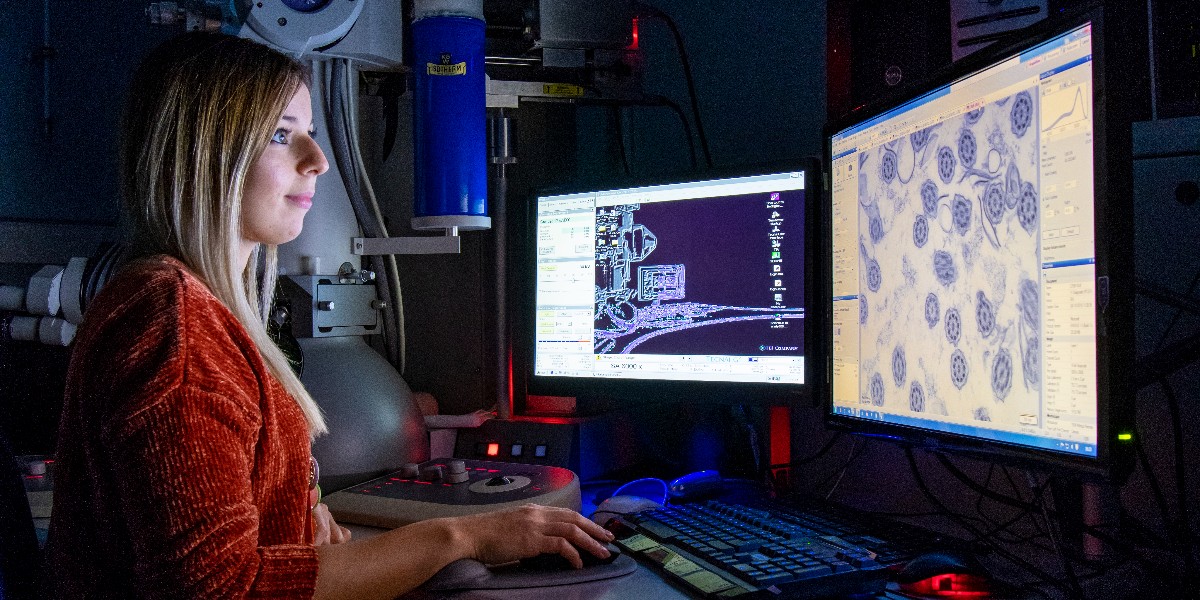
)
(659, 531)
(777, 548)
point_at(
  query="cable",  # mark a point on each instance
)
(849, 459)
(1162, 341)
(961, 522)
(1121, 545)
(687, 73)
(352, 177)
(1181, 494)
(687, 128)
(1059, 545)
(653, 100)
(618, 118)
(854, 454)
(396, 344)
(819, 453)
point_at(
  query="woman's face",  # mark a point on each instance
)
(280, 184)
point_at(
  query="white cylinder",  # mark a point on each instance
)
(70, 290)
(24, 329)
(41, 297)
(12, 297)
(55, 332)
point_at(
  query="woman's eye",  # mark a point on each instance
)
(280, 136)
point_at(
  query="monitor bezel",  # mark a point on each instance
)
(595, 395)
(1112, 163)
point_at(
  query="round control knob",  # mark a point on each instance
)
(499, 480)
(432, 473)
(410, 470)
(456, 472)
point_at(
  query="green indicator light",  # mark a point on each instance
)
(1125, 437)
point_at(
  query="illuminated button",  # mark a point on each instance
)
(493, 449)
(517, 449)
(539, 450)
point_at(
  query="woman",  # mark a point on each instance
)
(183, 461)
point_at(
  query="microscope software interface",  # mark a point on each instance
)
(964, 287)
(688, 281)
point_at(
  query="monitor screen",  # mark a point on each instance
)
(963, 255)
(696, 281)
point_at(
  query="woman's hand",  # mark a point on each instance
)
(529, 530)
(326, 530)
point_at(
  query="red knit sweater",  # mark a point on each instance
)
(182, 464)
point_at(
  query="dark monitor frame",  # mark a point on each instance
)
(1112, 108)
(596, 396)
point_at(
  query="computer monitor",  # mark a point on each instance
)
(974, 231)
(689, 289)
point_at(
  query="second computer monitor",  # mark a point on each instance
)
(697, 282)
(968, 244)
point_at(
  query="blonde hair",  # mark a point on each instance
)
(201, 110)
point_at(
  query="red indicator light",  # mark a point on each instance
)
(493, 449)
(424, 482)
(34, 476)
(493, 470)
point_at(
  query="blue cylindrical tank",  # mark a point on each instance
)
(450, 115)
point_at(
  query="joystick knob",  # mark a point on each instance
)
(432, 473)
(499, 480)
(456, 472)
(410, 470)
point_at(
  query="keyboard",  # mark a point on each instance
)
(761, 549)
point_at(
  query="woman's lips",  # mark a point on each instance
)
(301, 200)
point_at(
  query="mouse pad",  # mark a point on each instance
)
(467, 574)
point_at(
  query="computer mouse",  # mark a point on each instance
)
(468, 574)
(944, 572)
(558, 562)
(622, 505)
(696, 485)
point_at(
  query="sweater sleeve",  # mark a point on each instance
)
(183, 466)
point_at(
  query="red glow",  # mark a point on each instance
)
(950, 585)
(633, 45)
(781, 435)
(34, 476)
(550, 420)
(424, 482)
(509, 398)
(493, 470)
(493, 449)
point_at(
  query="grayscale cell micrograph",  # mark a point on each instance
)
(950, 261)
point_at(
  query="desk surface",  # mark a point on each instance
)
(642, 583)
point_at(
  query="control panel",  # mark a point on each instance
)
(448, 487)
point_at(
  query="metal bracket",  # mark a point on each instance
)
(447, 244)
